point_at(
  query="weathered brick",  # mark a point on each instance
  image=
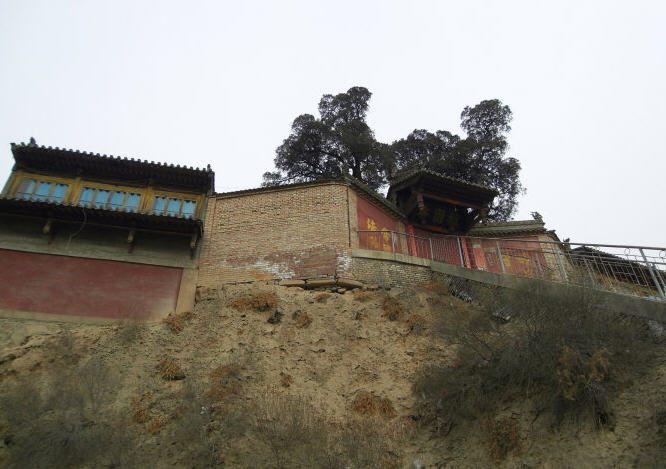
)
(280, 233)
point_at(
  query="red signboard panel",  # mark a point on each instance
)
(372, 218)
(44, 283)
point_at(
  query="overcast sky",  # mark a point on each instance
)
(220, 82)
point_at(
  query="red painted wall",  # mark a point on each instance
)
(369, 217)
(76, 286)
(519, 258)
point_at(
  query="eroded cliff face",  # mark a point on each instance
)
(260, 375)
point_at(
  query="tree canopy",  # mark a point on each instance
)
(341, 142)
(338, 142)
(478, 158)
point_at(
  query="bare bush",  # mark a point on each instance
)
(303, 320)
(367, 403)
(170, 369)
(260, 302)
(566, 353)
(176, 322)
(392, 308)
(363, 296)
(299, 435)
(64, 419)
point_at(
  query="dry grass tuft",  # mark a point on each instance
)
(416, 323)
(170, 370)
(187, 315)
(392, 308)
(322, 297)
(363, 296)
(503, 437)
(176, 322)
(303, 320)
(141, 408)
(368, 404)
(286, 380)
(224, 381)
(263, 301)
(156, 424)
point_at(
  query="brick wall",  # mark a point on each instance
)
(390, 273)
(289, 232)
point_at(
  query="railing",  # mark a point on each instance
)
(635, 270)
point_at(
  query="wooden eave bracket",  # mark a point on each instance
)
(48, 229)
(131, 236)
(194, 240)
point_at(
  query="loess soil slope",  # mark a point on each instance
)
(260, 375)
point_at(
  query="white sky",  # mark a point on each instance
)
(220, 82)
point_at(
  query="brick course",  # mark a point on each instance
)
(390, 273)
(289, 232)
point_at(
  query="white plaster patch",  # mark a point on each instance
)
(344, 262)
(280, 269)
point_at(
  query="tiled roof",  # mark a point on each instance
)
(71, 212)
(509, 227)
(441, 177)
(35, 157)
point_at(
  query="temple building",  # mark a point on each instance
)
(99, 236)
(95, 236)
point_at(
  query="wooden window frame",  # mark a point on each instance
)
(53, 184)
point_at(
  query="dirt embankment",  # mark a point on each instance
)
(266, 376)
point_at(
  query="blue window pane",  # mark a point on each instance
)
(188, 208)
(25, 189)
(101, 198)
(59, 192)
(158, 205)
(117, 200)
(86, 196)
(42, 192)
(173, 206)
(132, 203)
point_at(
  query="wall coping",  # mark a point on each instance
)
(623, 304)
(390, 256)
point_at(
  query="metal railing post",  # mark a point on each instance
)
(499, 256)
(462, 259)
(393, 242)
(563, 271)
(432, 253)
(654, 277)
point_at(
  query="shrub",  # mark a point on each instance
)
(567, 353)
(392, 308)
(63, 418)
(170, 370)
(260, 302)
(363, 296)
